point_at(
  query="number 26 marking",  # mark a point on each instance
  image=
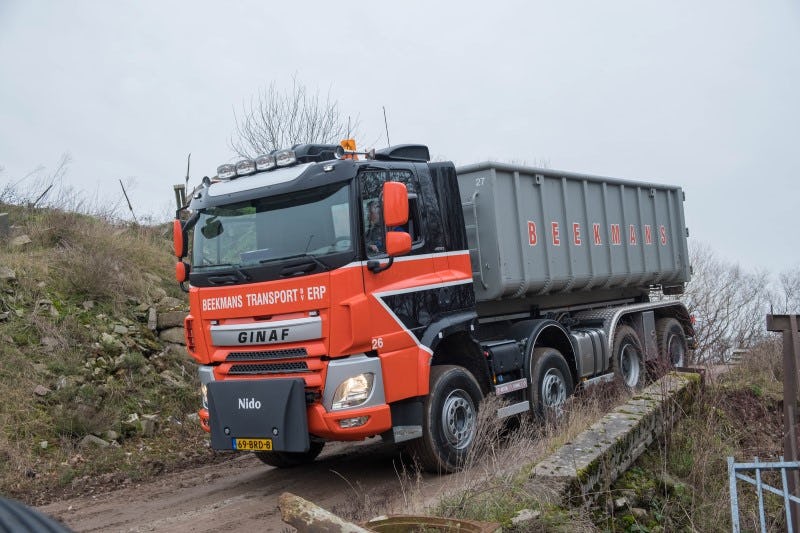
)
(377, 342)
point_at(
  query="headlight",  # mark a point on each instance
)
(204, 395)
(353, 391)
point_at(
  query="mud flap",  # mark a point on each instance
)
(259, 409)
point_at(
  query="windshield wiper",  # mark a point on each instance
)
(225, 279)
(303, 255)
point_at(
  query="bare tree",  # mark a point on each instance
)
(729, 304)
(276, 119)
(788, 297)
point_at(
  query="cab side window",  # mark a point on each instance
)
(372, 209)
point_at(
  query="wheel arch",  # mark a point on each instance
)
(460, 348)
(545, 333)
(679, 313)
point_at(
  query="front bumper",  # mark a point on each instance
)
(287, 413)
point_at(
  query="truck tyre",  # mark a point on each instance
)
(628, 360)
(551, 382)
(450, 420)
(290, 459)
(672, 344)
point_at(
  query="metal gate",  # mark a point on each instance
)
(757, 467)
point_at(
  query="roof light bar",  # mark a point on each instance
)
(245, 167)
(265, 162)
(284, 158)
(226, 172)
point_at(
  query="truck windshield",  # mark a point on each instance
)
(311, 223)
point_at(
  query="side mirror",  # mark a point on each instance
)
(179, 239)
(182, 271)
(395, 204)
(397, 243)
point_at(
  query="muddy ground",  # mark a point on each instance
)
(355, 480)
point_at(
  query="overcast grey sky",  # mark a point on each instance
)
(699, 94)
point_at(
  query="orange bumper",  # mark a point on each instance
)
(328, 425)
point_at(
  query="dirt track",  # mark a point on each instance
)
(241, 494)
(349, 479)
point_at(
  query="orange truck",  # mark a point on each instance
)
(336, 296)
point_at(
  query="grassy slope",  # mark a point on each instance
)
(679, 484)
(99, 361)
(682, 482)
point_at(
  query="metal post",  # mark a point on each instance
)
(786, 502)
(791, 350)
(761, 516)
(734, 496)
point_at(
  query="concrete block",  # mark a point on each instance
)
(582, 469)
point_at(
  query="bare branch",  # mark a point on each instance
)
(275, 119)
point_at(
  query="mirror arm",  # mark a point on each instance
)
(375, 267)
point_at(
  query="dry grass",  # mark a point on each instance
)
(48, 338)
(492, 486)
(682, 481)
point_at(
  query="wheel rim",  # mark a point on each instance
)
(629, 364)
(554, 389)
(458, 419)
(676, 351)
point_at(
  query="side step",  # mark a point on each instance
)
(514, 408)
(605, 378)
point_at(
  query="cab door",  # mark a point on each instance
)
(400, 297)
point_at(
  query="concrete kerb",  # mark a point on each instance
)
(582, 469)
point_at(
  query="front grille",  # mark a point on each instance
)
(268, 368)
(291, 353)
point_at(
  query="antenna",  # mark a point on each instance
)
(386, 125)
(348, 126)
(188, 162)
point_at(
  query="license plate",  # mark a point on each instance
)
(253, 445)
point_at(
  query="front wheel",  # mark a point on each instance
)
(628, 357)
(551, 382)
(450, 420)
(290, 459)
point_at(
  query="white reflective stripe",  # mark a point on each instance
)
(424, 287)
(402, 326)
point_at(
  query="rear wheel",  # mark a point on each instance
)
(450, 419)
(672, 345)
(628, 357)
(551, 381)
(290, 459)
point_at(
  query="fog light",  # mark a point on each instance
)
(353, 422)
(353, 391)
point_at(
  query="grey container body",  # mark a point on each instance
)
(544, 238)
